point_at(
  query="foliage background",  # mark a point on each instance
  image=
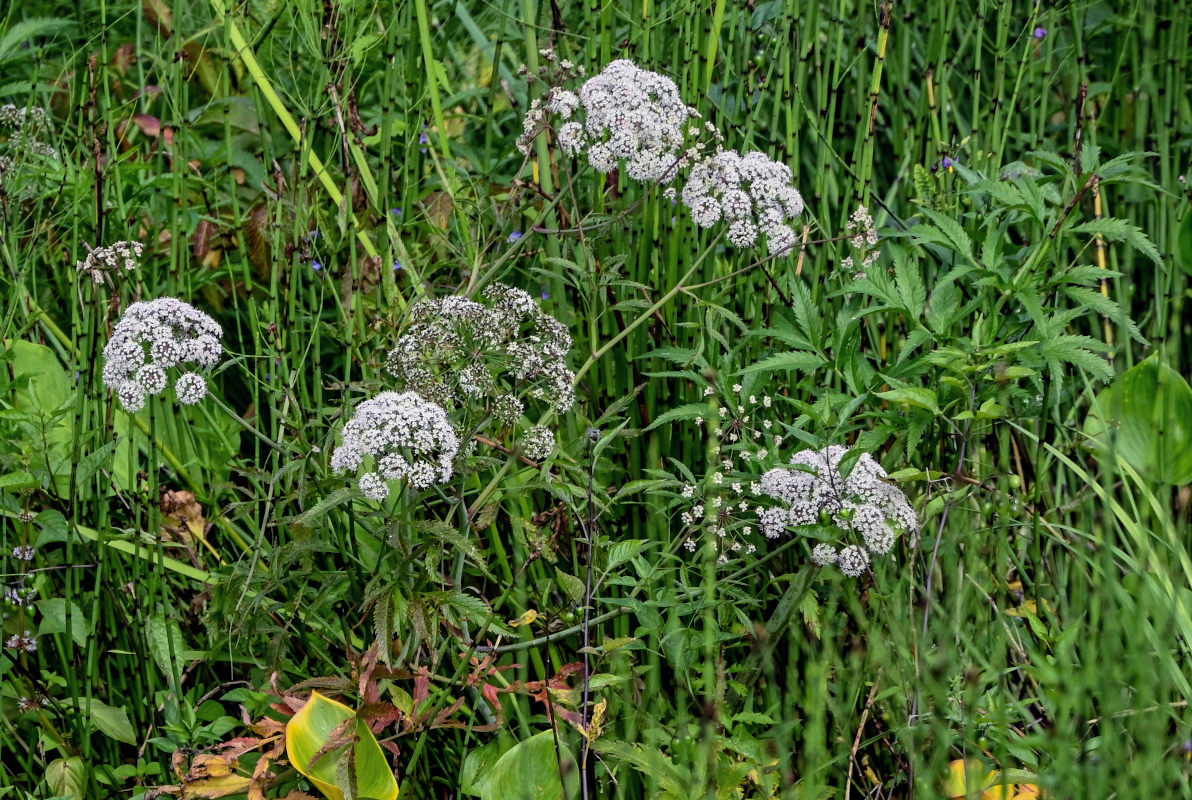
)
(1040, 622)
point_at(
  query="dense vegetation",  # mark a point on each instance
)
(474, 470)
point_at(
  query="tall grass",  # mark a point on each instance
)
(1039, 623)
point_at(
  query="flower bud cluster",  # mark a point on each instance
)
(463, 353)
(751, 193)
(153, 337)
(119, 256)
(865, 505)
(401, 436)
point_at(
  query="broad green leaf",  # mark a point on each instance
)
(165, 645)
(572, 586)
(912, 396)
(67, 777)
(527, 771)
(53, 619)
(311, 730)
(1145, 416)
(109, 720)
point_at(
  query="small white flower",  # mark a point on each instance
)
(191, 388)
(405, 435)
(853, 560)
(373, 486)
(154, 336)
(538, 442)
(823, 554)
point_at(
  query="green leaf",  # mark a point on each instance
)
(1145, 417)
(527, 771)
(19, 480)
(32, 28)
(109, 720)
(621, 552)
(684, 412)
(572, 586)
(795, 359)
(312, 731)
(53, 619)
(1120, 230)
(912, 396)
(165, 645)
(67, 777)
(1183, 244)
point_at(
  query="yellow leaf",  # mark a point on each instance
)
(524, 619)
(220, 786)
(971, 776)
(314, 729)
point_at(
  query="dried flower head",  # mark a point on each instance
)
(751, 193)
(399, 436)
(113, 258)
(153, 337)
(870, 510)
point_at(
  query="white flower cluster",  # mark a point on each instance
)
(26, 126)
(20, 118)
(625, 115)
(405, 436)
(864, 504)
(538, 442)
(456, 351)
(152, 337)
(114, 257)
(863, 239)
(751, 193)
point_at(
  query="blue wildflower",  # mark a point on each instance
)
(316, 266)
(513, 237)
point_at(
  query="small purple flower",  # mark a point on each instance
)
(423, 139)
(545, 294)
(395, 211)
(513, 237)
(396, 265)
(316, 266)
(1040, 33)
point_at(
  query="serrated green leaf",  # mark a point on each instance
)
(792, 360)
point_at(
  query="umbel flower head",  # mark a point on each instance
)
(153, 337)
(119, 256)
(403, 436)
(752, 194)
(462, 353)
(867, 508)
(625, 115)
